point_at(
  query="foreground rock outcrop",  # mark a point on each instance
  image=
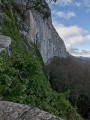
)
(14, 111)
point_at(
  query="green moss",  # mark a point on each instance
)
(23, 80)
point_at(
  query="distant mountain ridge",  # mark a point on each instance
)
(82, 59)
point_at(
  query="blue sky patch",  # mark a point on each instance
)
(71, 20)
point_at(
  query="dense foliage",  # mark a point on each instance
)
(22, 77)
(70, 74)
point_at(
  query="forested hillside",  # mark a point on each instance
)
(73, 76)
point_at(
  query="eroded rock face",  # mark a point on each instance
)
(14, 111)
(47, 39)
(43, 34)
(5, 42)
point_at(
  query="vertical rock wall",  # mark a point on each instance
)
(43, 34)
(46, 37)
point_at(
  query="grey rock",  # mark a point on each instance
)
(42, 33)
(23, 33)
(5, 42)
(22, 2)
(14, 111)
(2, 16)
(0, 2)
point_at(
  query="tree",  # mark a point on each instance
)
(69, 74)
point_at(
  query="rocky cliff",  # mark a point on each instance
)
(22, 73)
(14, 111)
(41, 31)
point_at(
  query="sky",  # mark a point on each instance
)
(71, 18)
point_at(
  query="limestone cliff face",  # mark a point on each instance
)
(43, 34)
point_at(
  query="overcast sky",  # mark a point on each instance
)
(71, 19)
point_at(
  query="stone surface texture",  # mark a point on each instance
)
(42, 33)
(5, 42)
(14, 111)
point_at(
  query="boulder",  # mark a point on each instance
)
(15, 111)
(5, 42)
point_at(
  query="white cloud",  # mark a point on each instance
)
(69, 2)
(78, 4)
(64, 2)
(86, 3)
(65, 15)
(79, 52)
(72, 35)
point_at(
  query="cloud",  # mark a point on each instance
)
(86, 3)
(79, 52)
(72, 35)
(65, 15)
(64, 2)
(78, 4)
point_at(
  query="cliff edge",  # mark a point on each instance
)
(15, 111)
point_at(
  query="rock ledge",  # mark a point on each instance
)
(15, 111)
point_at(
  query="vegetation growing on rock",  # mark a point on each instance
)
(22, 78)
